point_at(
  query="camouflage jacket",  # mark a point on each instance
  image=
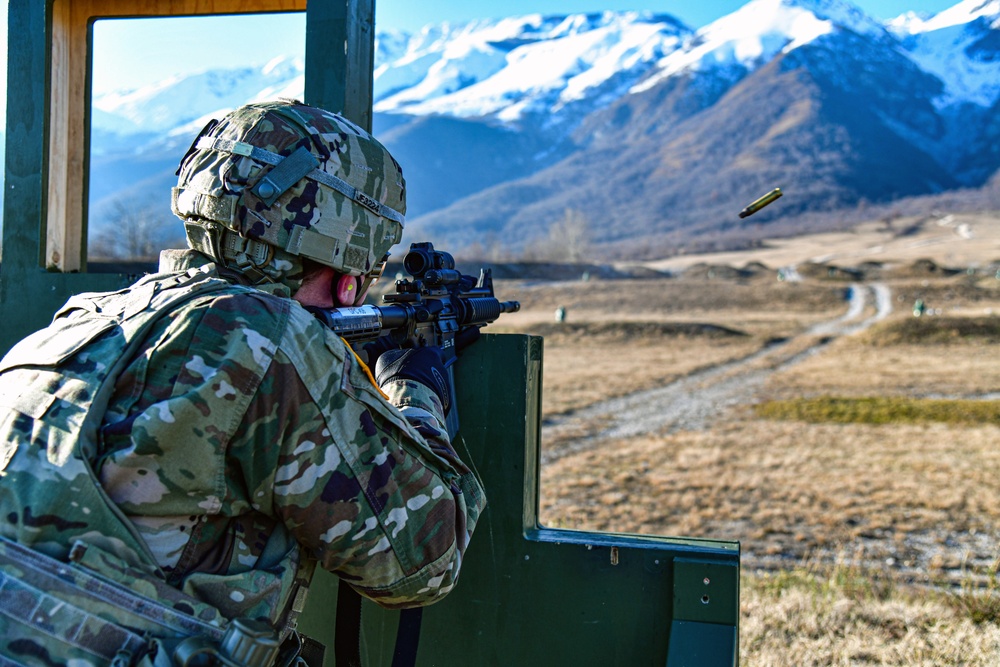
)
(243, 439)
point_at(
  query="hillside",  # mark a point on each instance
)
(683, 156)
(650, 135)
(686, 182)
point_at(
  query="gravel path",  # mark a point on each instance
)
(703, 398)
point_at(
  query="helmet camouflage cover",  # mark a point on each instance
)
(276, 181)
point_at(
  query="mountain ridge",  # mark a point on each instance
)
(505, 127)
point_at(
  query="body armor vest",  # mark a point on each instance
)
(67, 596)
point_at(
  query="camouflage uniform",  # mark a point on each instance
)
(242, 429)
(242, 441)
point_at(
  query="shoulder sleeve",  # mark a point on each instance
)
(383, 503)
(177, 408)
(180, 399)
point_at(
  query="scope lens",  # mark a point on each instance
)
(416, 262)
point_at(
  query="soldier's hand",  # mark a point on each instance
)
(420, 364)
(376, 348)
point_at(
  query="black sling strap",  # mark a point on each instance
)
(347, 638)
(407, 638)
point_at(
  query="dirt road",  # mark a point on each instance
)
(703, 398)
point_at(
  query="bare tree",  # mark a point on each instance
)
(568, 238)
(133, 231)
(488, 247)
(992, 189)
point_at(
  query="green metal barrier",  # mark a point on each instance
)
(532, 595)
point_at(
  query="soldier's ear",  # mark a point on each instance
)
(346, 290)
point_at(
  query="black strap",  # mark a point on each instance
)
(298, 649)
(347, 639)
(313, 652)
(407, 638)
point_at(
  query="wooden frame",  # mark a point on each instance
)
(69, 98)
(45, 180)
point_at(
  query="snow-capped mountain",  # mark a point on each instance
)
(537, 66)
(166, 105)
(499, 123)
(757, 32)
(527, 68)
(503, 70)
(961, 47)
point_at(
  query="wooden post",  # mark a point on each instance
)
(48, 95)
(340, 46)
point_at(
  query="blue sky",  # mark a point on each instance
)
(194, 44)
(412, 14)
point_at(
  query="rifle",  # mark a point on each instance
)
(440, 306)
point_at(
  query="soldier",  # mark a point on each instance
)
(200, 437)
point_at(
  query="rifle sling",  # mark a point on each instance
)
(407, 637)
(347, 642)
(347, 637)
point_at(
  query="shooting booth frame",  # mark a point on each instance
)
(529, 595)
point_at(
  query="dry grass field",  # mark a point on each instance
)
(860, 470)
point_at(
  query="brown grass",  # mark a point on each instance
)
(914, 506)
(944, 330)
(583, 372)
(740, 304)
(826, 616)
(788, 490)
(900, 243)
(866, 365)
(627, 335)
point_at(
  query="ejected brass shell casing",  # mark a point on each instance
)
(761, 203)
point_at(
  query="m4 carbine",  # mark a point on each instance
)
(437, 306)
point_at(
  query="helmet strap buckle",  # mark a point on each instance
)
(249, 255)
(205, 237)
(371, 278)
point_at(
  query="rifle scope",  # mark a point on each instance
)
(422, 257)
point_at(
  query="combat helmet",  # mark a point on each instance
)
(274, 183)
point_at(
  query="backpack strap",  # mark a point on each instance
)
(347, 638)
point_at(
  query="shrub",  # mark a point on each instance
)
(881, 410)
